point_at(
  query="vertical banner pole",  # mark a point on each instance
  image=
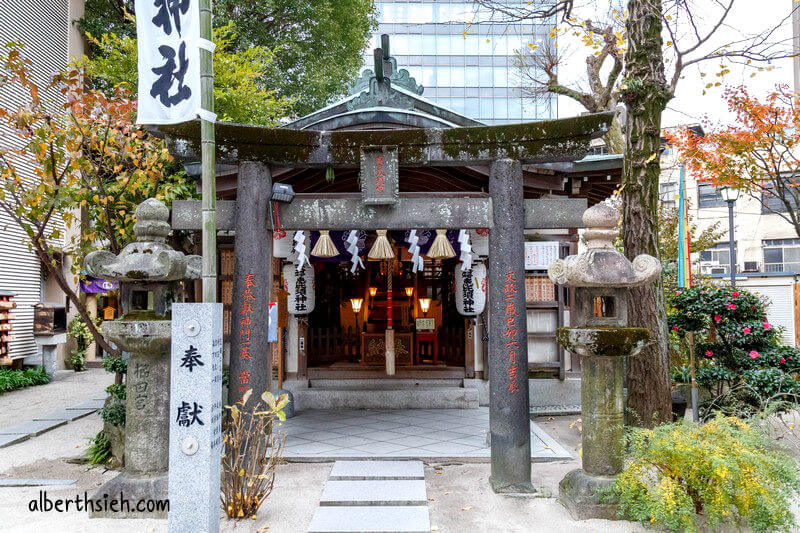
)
(208, 141)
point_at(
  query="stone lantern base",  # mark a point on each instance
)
(582, 494)
(132, 490)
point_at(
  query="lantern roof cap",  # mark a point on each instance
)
(602, 265)
(149, 258)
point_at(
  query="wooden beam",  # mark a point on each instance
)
(345, 211)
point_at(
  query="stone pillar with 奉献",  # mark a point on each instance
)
(601, 277)
(151, 278)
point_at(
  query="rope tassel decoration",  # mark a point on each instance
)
(441, 248)
(381, 249)
(324, 246)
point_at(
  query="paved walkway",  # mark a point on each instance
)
(371, 496)
(402, 433)
(31, 411)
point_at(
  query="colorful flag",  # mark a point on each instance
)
(684, 259)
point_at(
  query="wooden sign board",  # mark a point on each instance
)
(426, 324)
(379, 175)
(540, 255)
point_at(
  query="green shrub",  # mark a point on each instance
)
(77, 360)
(114, 412)
(99, 450)
(18, 379)
(115, 364)
(724, 470)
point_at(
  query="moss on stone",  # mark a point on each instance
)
(602, 341)
(143, 315)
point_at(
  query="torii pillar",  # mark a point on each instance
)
(509, 409)
(251, 364)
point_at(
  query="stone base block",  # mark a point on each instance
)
(132, 495)
(581, 494)
(504, 487)
(289, 410)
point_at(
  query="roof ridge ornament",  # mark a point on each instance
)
(385, 69)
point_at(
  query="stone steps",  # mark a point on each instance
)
(383, 384)
(377, 398)
(373, 496)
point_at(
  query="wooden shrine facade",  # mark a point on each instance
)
(387, 159)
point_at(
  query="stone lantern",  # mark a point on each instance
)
(602, 277)
(151, 278)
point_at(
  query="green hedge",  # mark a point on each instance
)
(18, 379)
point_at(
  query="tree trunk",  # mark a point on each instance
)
(645, 93)
(615, 139)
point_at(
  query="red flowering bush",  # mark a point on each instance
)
(734, 342)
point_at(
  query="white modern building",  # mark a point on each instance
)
(465, 61)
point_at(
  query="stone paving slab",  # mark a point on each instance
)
(374, 492)
(378, 518)
(89, 404)
(352, 470)
(32, 428)
(35, 482)
(8, 440)
(66, 414)
(441, 434)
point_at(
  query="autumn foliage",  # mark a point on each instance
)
(758, 153)
(73, 150)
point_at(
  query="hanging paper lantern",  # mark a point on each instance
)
(324, 246)
(381, 249)
(441, 247)
(471, 290)
(300, 285)
(281, 244)
(480, 242)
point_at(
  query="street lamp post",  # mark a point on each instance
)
(730, 195)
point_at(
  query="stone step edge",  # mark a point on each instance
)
(374, 503)
(377, 478)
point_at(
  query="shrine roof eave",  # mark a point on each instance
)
(530, 142)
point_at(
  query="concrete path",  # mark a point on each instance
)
(371, 496)
(430, 434)
(35, 410)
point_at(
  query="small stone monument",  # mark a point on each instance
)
(150, 274)
(601, 277)
(195, 428)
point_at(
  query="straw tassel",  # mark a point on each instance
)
(441, 247)
(324, 246)
(381, 249)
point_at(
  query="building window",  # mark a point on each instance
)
(781, 255)
(669, 194)
(773, 204)
(716, 260)
(708, 196)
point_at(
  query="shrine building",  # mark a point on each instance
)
(405, 222)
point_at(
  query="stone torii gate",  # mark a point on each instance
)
(261, 152)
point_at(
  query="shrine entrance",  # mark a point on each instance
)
(346, 330)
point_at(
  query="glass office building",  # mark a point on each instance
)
(466, 61)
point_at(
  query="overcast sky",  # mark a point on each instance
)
(747, 18)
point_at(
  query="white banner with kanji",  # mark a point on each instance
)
(168, 33)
